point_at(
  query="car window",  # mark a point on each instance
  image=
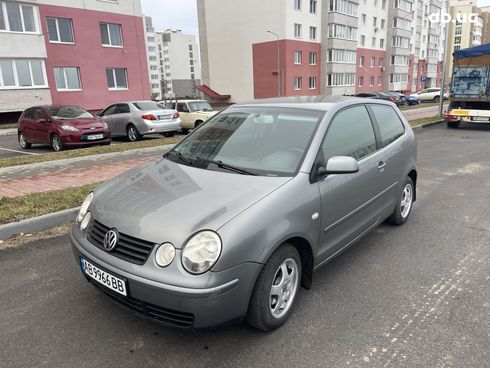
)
(351, 134)
(39, 114)
(389, 123)
(423, 91)
(182, 107)
(434, 90)
(69, 112)
(109, 111)
(29, 114)
(148, 105)
(122, 109)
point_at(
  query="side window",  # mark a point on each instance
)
(122, 109)
(390, 125)
(181, 107)
(351, 134)
(40, 114)
(111, 110)
(29, 114)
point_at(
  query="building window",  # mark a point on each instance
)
(152, 48)
(111, 34)
(297, 83)
(373, 42)
(360, 81)
(152, 58)
(383, 4)
(373, 62)
(404, 5)
(190, 47)
(457, 31)
(192, 69)
(375, 21)
(191, 55)
(380, 80)
(150, 39)
(380, 62)
(297, 30)
(344, 7)
(381, 43)
(193, 76)
(383, 21)
(402, 23)
(457, 39)
(363, 40)
(456, 48)
(363, 19)
(313, 33)
(297, 4)
(361, 61)
(15, 17)
(67, 79)
(398, 78)
(298, 55)
(117, 78)
(312, 83)
(153, 67)
(60, 30)
(342, 56)
(371, 81)
(341, 79)
(399, 60)
(312, 58)
(403, 42)
(22, 73)
(313, 5)
(342, 31)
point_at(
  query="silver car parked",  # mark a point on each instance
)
(233, 220)
(138, 118)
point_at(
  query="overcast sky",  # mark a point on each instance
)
(182, 14)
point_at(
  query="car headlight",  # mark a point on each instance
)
(85, 206)
(69, 128)
(85, 221)
(104, 124)
(165, 254)
(201, 252)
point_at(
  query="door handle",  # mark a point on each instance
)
(381, 166)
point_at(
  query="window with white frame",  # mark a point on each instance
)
(153, 67)
(363, 40)
(342, 56)
(380, 62)
(312, 58)
(360, 81)
(457, 30)
(67, 78)
(402, 42)
(373, 62)
(297, 30)
(297, 83)
(298, 55)
(341, 79)
(373, 42)
(18, 17)
(402, 23)
(312, 83)
(117, 78)
(313, 33)
(398, 78)
(375, 21)
(380, 80)
(383, 21)
(361, 61)
(403, 5)
(297, 4)
(399, 60)
(111, 34)
(371, 81)
(381, 43)
(342, 31)
(22, 73)
(60, 30)
(313, 6)
(363, 19)
(344, 7)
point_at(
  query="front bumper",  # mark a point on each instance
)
(152, 127)
(224, 300)
(70, 139)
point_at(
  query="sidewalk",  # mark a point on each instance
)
(40, 177)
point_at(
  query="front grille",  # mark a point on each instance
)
(149, 311)
(128, 248)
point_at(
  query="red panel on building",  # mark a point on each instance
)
(92, 58)
(421, 71)
(265, 65)
(369, 73)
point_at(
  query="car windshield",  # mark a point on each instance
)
(199, 106)
(250, 140)
(69, 112)
(149, 105)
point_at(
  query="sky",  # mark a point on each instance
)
(174, 14)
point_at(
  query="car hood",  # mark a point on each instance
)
(168, 202)
(82, 123)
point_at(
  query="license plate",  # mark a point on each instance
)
(480, 118)
(164, 117)
(94, 137)
(102, 277)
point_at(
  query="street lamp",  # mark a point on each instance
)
(444, 62)
(279, 73)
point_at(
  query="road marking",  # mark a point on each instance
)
(25, 153)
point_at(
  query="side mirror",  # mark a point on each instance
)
(99, 114)
(341, 165)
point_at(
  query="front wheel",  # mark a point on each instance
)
(453, 124)
(168, 134)
(56, 143)
(276, 289)
(404, 205)
(437, 99)
(23, 143)
(132, 133)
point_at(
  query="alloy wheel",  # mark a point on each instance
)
(406, 200)
(284, 288)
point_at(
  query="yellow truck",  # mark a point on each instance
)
(192, 112)
(469, 99)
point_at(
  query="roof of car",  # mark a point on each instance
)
(309, 102)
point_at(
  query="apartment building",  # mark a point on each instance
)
(463, 33)
(83, 52)
(153, 59)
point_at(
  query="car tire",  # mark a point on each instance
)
(197, 123)
(56, 143)
(404, 205)
(264, 313)
(185, 130)
(132, 133)
(23, 142)
(453, 124)
(437, 99)
(168, 134)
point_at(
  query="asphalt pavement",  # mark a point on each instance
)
(410, 296)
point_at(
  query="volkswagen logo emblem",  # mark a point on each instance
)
(110, 239)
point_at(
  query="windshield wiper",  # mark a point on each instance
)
(180, 156)
(222, 165)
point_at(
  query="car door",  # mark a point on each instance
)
(350, 203)
(28, 125)
(423, 95)
(108, 116)
(42, 123)
(185, 115)
(122, 117)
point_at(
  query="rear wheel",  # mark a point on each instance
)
(276, 289)
(197, 123)
(23, 143)
(132, 133)
(404, 205)
(56, 143)
(453, 124)
(168, 134)
(437, 98)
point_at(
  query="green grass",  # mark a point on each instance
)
(429, 119)
(24, 160)
(8, 126)
(37, 204)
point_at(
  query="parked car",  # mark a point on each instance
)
(430, 94)
(138, 118)
(269, 190)
(192, 112)
(380, 96)
(406, 100)
(61, 127)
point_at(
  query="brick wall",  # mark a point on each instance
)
(21, 99)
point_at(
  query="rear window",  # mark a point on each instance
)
(390, 125)
(149, 105)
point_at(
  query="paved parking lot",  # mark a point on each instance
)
(411, 296)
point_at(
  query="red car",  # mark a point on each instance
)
(61, 127)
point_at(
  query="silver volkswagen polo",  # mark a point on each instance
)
(233, 220)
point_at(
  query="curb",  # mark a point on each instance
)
(426, 125)
(8, 131)
(37, 224)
